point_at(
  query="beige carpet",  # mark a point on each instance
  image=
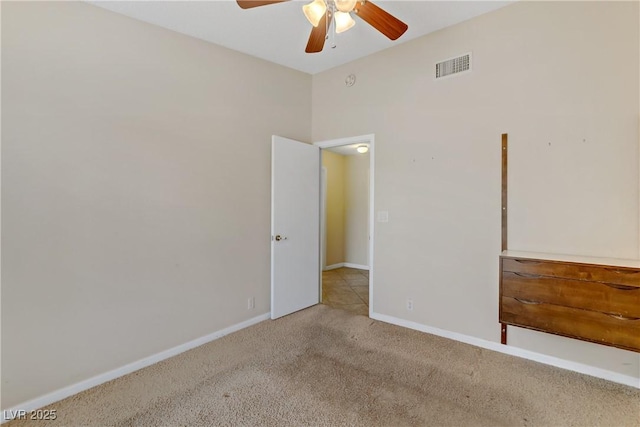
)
(326, 367)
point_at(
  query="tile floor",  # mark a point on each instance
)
(346, 288)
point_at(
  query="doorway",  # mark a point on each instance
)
(346, 236)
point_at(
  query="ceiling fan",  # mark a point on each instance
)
(322, 13)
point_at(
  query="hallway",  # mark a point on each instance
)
(347, 289)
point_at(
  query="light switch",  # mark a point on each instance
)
(383, 216)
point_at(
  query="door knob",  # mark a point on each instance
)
(279, 237)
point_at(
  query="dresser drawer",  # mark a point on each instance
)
(605, 297)
(571, 322)
(608, 274)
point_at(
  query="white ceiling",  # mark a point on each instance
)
(346, 150)
(279, 32)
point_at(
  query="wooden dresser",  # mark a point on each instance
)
(591, 299)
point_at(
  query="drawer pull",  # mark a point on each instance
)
(526, 301)
(620, 317)
(615, 270)
(526, 261)
(528, 276)
(621, 287)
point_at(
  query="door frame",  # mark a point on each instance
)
(370, 141)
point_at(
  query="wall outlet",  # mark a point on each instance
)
(251, 303)
(409, 304)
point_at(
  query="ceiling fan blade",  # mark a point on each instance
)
(248, 4)
(382, 21)
(317, 36)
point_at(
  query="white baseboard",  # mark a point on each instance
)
(514, 351)
(76, 388)
(346, 264)
(358, 266)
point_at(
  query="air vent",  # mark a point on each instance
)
(453, 66)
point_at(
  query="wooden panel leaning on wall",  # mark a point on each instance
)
(590, 299)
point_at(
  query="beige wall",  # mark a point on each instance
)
(334, 164)
(545, 73)
(135, 189)
(356, 207)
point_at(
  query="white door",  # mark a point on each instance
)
(295, 226)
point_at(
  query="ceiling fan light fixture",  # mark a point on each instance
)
(314, 11)
(344, 21)
(362, 149)
(345, 5)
